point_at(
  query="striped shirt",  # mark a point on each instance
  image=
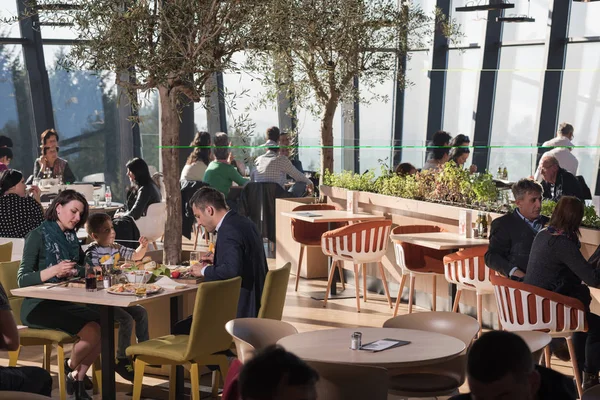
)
(100, 254)
(271, 167)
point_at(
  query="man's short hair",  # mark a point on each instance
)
(94, 223)
(262, 376)
(441, 138)
(553, 160)
(6, 152)
(5, 141)
(524, 186)
(498, 353)
(208, 196)
(221, 143)
(565, 129)
(273, 133)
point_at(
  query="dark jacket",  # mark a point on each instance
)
(554, 385)
(257, 202)
(239, 251)
(556, 264)
(566, 185)
(138, 201)
(188, 188)
(510, 243)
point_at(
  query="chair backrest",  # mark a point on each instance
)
(8, 279)
(410, 256)
(535, 340)
(467, 267)
(274, 292)
(460, 326)
(257, 202)
(152, 225)
(252, 334)
(350, 382)
(216, 303)
(362, 242)
(6, 251)
(523, 307)
(87, 190)
(93, 178)
(307, 232)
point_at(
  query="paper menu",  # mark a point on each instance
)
(383, 344)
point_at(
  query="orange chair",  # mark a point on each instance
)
(467, 269)
(309, 234)
(523, 307)
(416, 260)
(361, 243)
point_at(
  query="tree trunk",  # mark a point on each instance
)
(170, 123)
(327, 138)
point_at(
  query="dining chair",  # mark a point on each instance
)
(537, 342)
(523, 307)
(467, 270)
(309, 234)
(152, 225)
(274, 293)
(350, 382)
(254, 334)
(440, 379)
(6, 251)
(413, 260)
(216, 303)
(360, 244)
(34, 337)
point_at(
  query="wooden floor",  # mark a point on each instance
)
(300, 310)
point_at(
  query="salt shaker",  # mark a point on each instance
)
(107, 281)
(355, 341)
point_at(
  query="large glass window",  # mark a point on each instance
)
(8, 11)
(472, 24)
(149, 127)
(15, 103)
(416, 105)
(517, 109)
(309, 140)
(538, 30)
(584, 19)
(580, 105)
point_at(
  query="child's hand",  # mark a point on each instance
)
(143, 242)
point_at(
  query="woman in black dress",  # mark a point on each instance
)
(20, 213)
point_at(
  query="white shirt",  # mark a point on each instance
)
(193, 172)
(271, 167)
(565, 157)
(216, 230)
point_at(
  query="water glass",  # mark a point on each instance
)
(96, 199)
(194, 257)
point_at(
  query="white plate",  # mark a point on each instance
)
(148, 291)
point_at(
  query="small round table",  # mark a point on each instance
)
(333, 346)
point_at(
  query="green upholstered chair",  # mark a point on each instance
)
(216, 303)
(6, 252)
(273, 296)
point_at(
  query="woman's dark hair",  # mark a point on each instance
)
(221, 144)
(567, 215)
(65, 197)
(140, 171)
(460, 140)
(405, 168)
(201, 151)
(47, 134)
(8, 179)
(456, 152)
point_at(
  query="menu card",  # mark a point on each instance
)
(383, 344)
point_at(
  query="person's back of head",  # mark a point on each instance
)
(221, 143)
(566, 130)
(275, 374)
(500, 365)
(460, 140)
(405, 168)
(6, 154)
(273, 134)
(441, 138)
(5, 141)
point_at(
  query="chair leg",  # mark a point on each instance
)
(215, 379)
(411, 293)
(479, 312)
(194, 380)
(62, 384)
(299, 266)
(155, 245)
(47, 357)
(385, 285)
(138, 379)
(455, 307)
(434, 295)
(224, 369)
(97, 376)
(576, 371)
(399, 298)
(173, 382)
(329, 282)
(364, 276)
(357, 287)
(340, 267)
(13, 357)
(547, 356)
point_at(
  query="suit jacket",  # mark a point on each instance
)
(239, 251)
(566, 185)
(510, 243)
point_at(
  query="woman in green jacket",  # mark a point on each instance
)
(52, 254)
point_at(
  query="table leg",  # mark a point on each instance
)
(107, 342)
(177, 315)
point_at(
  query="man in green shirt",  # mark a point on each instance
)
(220, 173)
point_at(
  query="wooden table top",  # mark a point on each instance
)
(440, 240)
(99, 297)
(333, 345)
(331, 216)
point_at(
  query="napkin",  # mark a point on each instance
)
(169, 283)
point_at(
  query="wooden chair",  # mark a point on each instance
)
(252, 334)
(6, 252)
(523, 307)
(216, 303)
(309, 234)
(350, 382)
(416, 260)
(274, 293)
(441, 379)
(467, 269)
(361, 243)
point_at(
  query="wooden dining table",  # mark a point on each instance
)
(106, 302)
(440, 240)
(333, 346)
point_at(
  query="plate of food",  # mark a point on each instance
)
(180, 271)
(131, 289)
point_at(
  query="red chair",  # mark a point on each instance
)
(523, 307)
(309, 234)
(416, 260)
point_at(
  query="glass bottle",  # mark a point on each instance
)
(505, 173)
(91, 282)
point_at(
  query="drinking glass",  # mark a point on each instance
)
(96, 199)
(194, 257)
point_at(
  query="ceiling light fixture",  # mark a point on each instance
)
(492, 5)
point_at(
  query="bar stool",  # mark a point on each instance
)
(361, 243)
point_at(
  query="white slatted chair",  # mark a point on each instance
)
(360, 243)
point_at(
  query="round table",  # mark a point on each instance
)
(333, 346)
